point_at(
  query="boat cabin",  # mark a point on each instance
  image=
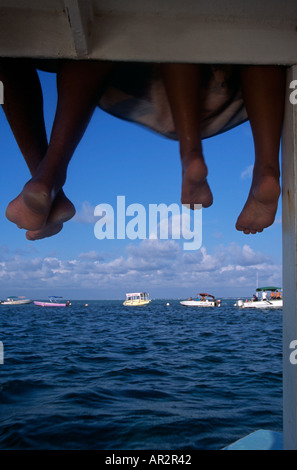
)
(137, 298)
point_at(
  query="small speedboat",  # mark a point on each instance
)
(53, 302)
(137, 299)
(263, 299)
(13, 300)
(202, 300)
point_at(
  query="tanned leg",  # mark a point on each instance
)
(23, 107)
(183, 84)
(79, 85)
(263, 92)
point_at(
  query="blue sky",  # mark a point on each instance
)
(116, 158)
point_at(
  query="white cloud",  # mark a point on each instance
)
(86, 214)
(91, 256)
(155, 249)
(247, 173)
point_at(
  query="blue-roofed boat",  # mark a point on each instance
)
(53, 302)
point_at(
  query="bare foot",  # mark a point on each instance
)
(261, 206)
(62, 210)
(195, 189)
(30, 209)
(48, 231)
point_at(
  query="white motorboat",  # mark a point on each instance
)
(13, 300)
(267, 297)
(202, 300)
(136, 299)
(53, 302)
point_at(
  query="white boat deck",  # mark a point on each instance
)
(259, 440)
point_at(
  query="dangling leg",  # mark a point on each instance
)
(263, 92)
(23, 107)
(183, 83)
(79, 87)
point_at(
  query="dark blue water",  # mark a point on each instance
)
(157, 377)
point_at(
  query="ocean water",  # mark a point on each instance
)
(155, 377)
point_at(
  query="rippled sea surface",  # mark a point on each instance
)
(107, 376)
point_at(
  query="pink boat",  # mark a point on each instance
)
(52, 303)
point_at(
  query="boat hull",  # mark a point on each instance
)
(199, 303)
(17, 302)
(136, 303)
(48, 304)
(260, 304)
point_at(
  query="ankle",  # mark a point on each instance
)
(264, 170)
(53, 180)
(190, 155)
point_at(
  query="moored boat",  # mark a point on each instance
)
(53, 302)
(136, 299)
(267, 297)
(202, 300)
(14, 300)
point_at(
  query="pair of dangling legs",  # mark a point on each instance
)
(42, 207)
(263, 89)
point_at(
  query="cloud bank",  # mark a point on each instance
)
(160, 267)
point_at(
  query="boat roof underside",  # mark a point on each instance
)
(150, 30)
